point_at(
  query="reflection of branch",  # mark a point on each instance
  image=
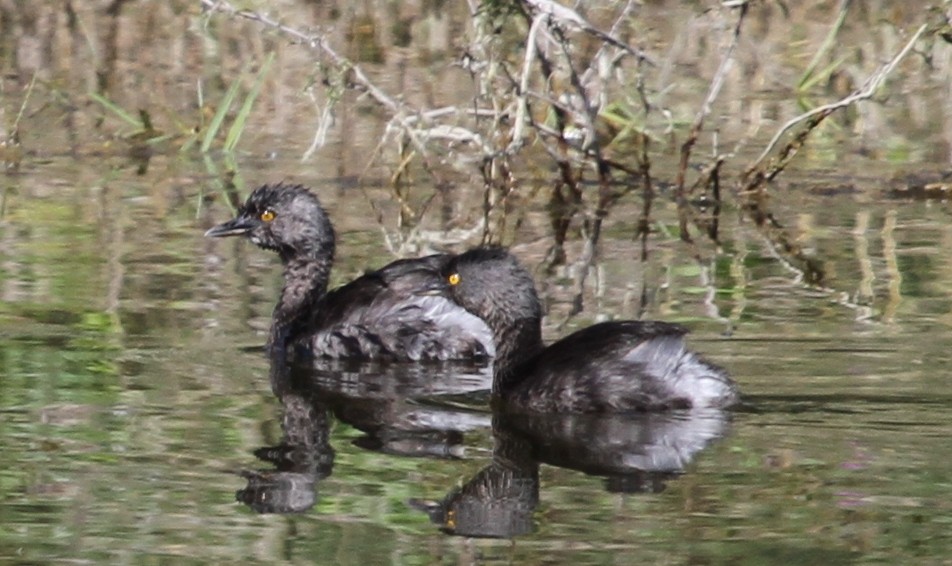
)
(584, 108)
(756, 176)
(583, 266)
(789, 251)
(864, 295)
(894, 273)
(716, 83)
(753, 178)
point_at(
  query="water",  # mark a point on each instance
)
(134, 398)
(139, 423)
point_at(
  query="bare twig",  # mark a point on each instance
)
(817, 115)
(522, 106)
(623, 17)
(567, 16)
(319, 43)
(320, 133)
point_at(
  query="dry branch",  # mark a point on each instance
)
(564, 15)
(319, 43)
(755, 177)
(715, 88)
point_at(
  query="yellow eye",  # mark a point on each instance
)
(267, 215)
(453, 279)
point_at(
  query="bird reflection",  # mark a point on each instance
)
(302, 458)
(387, 402)
(634, 453)
(500, 499)
(404, 409)
(380, 400)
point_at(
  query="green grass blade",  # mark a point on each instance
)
(823, 75)
(238, 126)
(828, 43)
(109, 105)
(160, 139)
(219, 117)
(188, 143)
(26, 99)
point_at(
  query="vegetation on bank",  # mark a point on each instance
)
(590, 100)
(547, 80)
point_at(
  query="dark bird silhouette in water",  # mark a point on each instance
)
(384, 314)
(618, 366)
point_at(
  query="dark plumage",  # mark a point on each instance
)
(616, 366)
(384, 314)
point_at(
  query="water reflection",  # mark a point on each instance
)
(384, 401)
(634, 453)
(423, 410)
(302, 458)
(500, 499)
(387, 402)
(123, 397)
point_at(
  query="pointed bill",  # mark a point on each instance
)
(234, 227)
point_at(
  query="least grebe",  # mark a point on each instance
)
(384, 314)
(617, 366)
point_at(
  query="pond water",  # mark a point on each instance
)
(139, 423)
(134, 399)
